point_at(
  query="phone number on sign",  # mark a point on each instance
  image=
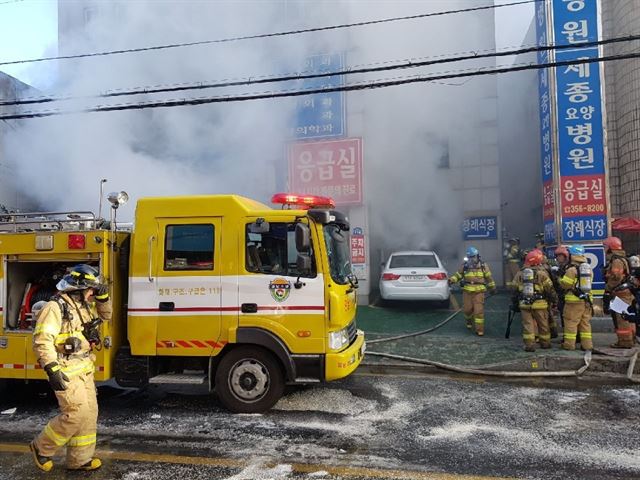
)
(592, 208)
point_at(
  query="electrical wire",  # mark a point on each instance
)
(300, 76)
(11, 1)
(270, 35)
(296, 93)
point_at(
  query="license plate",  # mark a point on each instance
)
(413, 278)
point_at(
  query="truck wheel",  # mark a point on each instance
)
(249, 380)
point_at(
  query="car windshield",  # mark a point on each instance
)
(413, 261)
(337, 242)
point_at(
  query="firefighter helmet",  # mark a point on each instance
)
(79, 277)
(514, 240)
(612, 243)
(562, 250)
(576, 249)
(534, 257)
(472, 252)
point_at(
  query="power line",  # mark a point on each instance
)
(344, 88)
(270, 35)
(11, 1)
(350, 71)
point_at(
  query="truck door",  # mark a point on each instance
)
(188, 286)
(273, 295)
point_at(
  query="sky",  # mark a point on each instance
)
(29, 29)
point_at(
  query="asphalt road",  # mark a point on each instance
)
(367, 426)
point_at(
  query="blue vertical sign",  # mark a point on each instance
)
(546, 142)
(583, 192)
(323, 114)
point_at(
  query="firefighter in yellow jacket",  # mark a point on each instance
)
(64, 336)
(512, 257)
(475, 278)
(618, 284)
(578, 309)
(535, 292)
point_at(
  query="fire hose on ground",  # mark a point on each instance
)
(476, 371)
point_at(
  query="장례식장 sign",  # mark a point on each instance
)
(480, 228)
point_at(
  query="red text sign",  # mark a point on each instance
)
(331, 168)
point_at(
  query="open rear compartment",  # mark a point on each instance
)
(26, 283)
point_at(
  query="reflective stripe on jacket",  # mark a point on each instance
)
(475, 277)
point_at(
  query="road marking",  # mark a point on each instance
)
(296, 467)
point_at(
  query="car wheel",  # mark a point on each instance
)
(249, 380)
(445, 303)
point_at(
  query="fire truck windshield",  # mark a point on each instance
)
(337, 242)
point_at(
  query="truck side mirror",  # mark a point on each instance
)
(303, 238)
(303, 263)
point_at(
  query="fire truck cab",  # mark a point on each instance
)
(215, 289)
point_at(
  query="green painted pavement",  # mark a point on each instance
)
(452, 343)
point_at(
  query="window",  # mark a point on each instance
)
(274, 252)
(413, 261)
(188, 247)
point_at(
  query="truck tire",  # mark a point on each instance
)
(249, 380)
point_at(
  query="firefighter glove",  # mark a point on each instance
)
(101, 292)
(57, 378)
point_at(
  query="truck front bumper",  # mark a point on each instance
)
(341, 364)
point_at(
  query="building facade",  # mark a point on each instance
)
(622, 94)
(12, 198)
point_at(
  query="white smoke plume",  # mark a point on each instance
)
(414, 136)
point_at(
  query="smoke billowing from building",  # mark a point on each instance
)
(428, 148)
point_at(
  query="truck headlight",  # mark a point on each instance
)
(338, 339)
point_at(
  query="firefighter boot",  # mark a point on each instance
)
(43, 463)
(92, 464)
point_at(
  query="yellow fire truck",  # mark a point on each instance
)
(216, 289)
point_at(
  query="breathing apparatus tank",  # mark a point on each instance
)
(528, 291)
(585, 274)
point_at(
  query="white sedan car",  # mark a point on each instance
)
(414, 275)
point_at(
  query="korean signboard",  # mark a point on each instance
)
(581, 151)
(357, 247)
(546, 138)
(322, 114)
(480, 228)
(332, 168)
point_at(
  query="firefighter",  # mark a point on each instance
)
(540, 241)
(578, 309)
(475, 278)
(618, 283)
(535, 293)
(557, 272)
(512, 257)
(63, 338)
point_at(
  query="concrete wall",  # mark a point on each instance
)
(622, 87)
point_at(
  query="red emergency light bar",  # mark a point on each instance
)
(304, 201)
